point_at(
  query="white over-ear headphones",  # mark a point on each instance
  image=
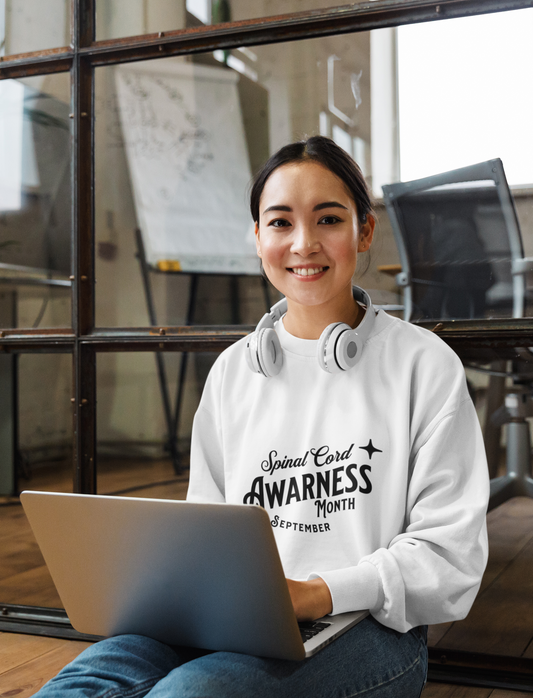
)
(339, 346)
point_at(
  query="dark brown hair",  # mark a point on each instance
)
(327, 153)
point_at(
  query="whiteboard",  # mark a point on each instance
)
(185, 145)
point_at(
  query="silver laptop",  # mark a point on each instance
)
(198, 575)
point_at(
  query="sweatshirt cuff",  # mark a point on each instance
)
(354, 588)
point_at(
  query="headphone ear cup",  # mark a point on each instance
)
(270, 356)
(339, 348)
(348, 349)
(263, 352)
(326, 344)
(251, 353)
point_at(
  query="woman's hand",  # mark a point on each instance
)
(311, 599)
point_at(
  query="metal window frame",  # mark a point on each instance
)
(83, 340)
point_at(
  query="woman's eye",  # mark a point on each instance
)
(279, 223)
(329, 220)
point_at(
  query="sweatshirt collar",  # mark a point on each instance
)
(295, 345)
(308, 347)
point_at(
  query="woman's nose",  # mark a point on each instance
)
(305, 241)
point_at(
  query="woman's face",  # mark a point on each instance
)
(308, 235)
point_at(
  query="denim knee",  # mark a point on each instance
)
(126, 665)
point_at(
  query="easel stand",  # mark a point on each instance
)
(172, 415)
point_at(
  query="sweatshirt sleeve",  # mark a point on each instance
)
(431, 572)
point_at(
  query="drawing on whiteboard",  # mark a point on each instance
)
(163, 134)
(189, 166)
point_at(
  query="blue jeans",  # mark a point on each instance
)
(369, 660)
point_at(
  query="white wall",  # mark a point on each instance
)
(384, 122)
(34, 25)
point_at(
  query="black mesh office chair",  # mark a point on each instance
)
(462, 257)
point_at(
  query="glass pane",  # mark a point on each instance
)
(119, 18)
(35, 202)
(33, 25)
(38, 456)
(136, 457)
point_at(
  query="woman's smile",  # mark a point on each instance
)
(308, 273)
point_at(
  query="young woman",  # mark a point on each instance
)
(356, 432)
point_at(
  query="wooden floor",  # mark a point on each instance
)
(441, 690)
(24, 578)
(27, 662)
(501, 620)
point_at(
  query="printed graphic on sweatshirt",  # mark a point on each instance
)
(331, 479)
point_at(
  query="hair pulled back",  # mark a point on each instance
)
(328, 154)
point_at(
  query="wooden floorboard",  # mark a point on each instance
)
(13, 522)
(19, 552)
(437, 632)
(24, 577)
(510, 529)
(442, 690)
(528, 654)
(501, 620)
(38, 662)
(16, 650)
(33, 587)
(112, 479)
(114, 475)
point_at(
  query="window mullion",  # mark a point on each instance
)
(84, 22)
(84, 368)
(84, 417)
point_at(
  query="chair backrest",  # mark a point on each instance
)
(457, 235)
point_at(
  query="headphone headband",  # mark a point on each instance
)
(275, 313)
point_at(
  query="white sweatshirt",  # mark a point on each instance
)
(374, 479)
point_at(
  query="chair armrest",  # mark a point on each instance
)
(403, 278)
(522, 265)
(390, 269)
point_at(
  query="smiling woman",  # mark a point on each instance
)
(312, 217)
(310, 254)
(349, 447)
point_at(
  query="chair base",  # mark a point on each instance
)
(518, 481)
(509, 486)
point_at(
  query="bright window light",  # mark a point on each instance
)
(241, 67)
(11, 124)
(200, 9)
(343, 139)
(2, 27)
(465, 95)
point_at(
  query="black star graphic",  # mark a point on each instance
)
(370, 449)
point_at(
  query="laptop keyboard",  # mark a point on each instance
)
(310, 628)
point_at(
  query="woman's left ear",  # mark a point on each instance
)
(366, 234)
(257, 241)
